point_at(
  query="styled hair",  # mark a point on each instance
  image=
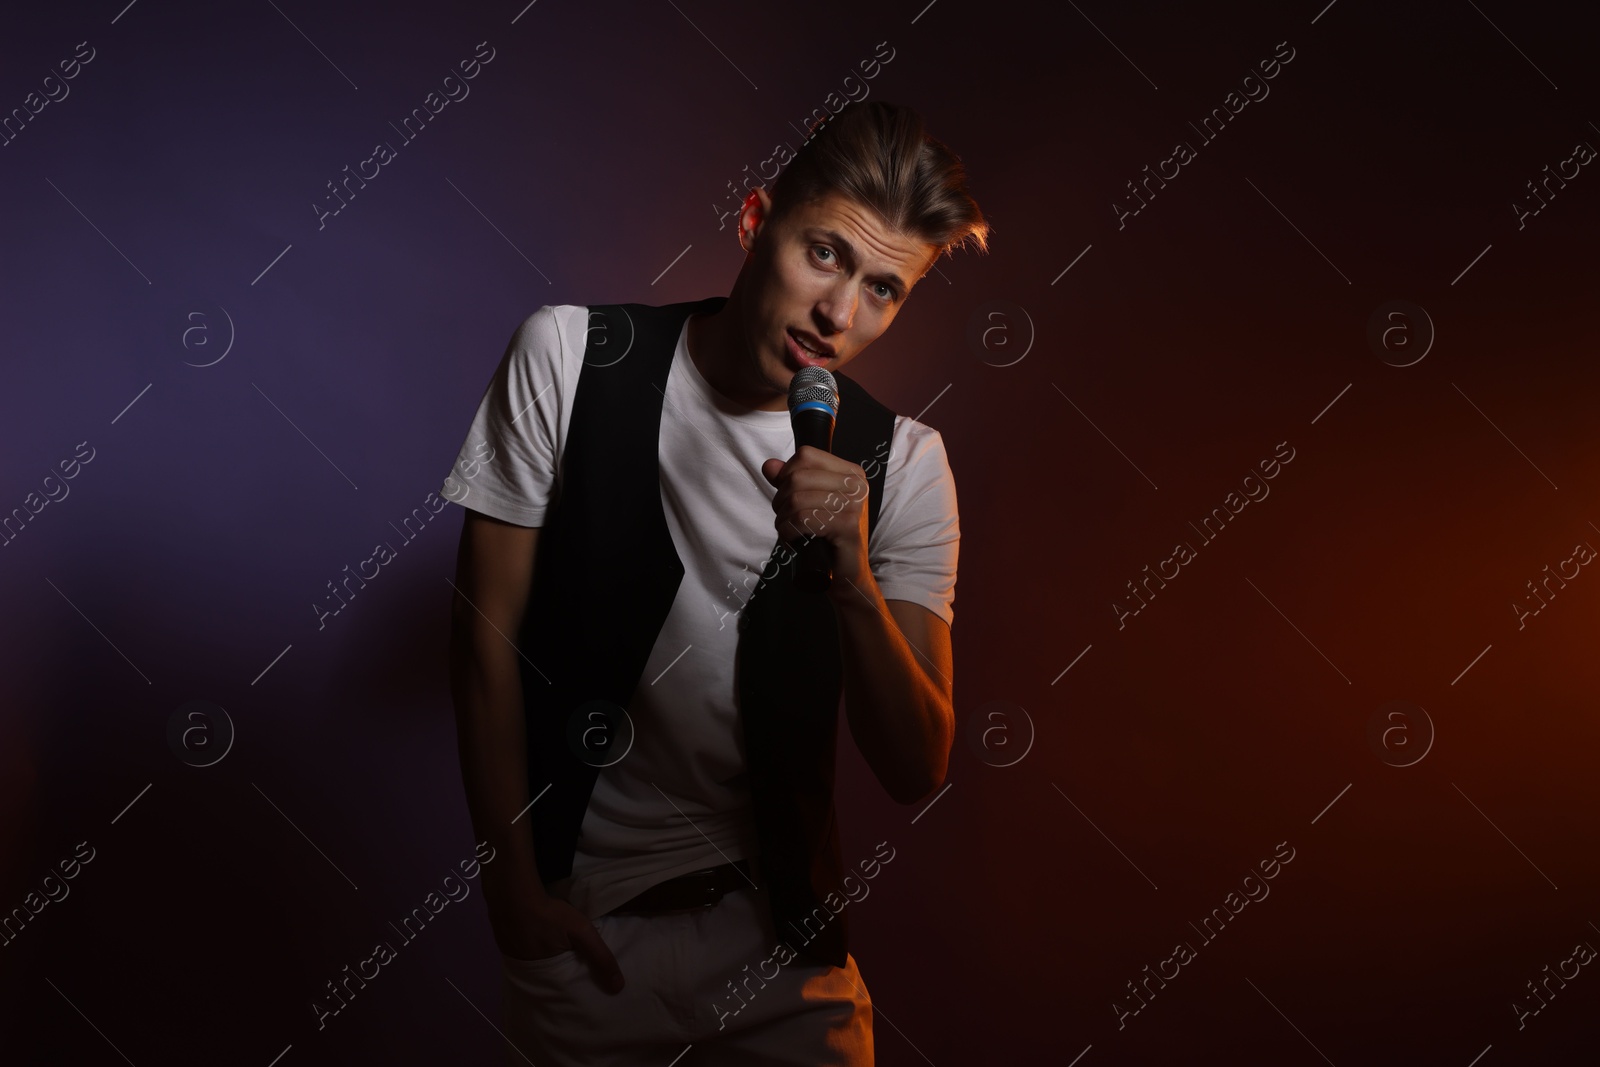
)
(879, 155)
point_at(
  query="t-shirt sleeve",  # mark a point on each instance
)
(509, 464)
(914, 546)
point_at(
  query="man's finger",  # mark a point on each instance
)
(602, 964)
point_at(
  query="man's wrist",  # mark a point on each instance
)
(856, 595)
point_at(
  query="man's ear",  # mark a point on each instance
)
(753, 216)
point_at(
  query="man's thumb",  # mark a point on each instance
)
(770, 469)
(602, 964)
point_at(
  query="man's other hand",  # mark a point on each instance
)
(550, 926)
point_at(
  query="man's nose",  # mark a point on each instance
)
(839, 308)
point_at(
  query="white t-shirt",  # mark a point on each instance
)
(678, 801)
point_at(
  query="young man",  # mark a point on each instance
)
(675, 887)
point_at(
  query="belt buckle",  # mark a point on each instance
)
(707, 888)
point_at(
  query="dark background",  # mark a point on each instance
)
(1228, 316)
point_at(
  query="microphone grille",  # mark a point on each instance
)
(813, 385)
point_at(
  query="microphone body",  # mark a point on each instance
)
(813, 408)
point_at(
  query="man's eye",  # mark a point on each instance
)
(819, 250)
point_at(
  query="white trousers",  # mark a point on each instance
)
(700, 992)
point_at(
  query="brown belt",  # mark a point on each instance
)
(696, 889)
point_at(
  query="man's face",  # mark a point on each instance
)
(830, 275)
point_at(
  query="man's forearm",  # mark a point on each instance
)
(491, 741)
(899, 718)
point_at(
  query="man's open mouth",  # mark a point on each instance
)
(806, 352)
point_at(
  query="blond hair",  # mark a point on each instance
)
(879, 155)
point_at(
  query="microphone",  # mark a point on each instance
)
(813, 407)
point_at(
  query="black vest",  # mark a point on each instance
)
(605, 578)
